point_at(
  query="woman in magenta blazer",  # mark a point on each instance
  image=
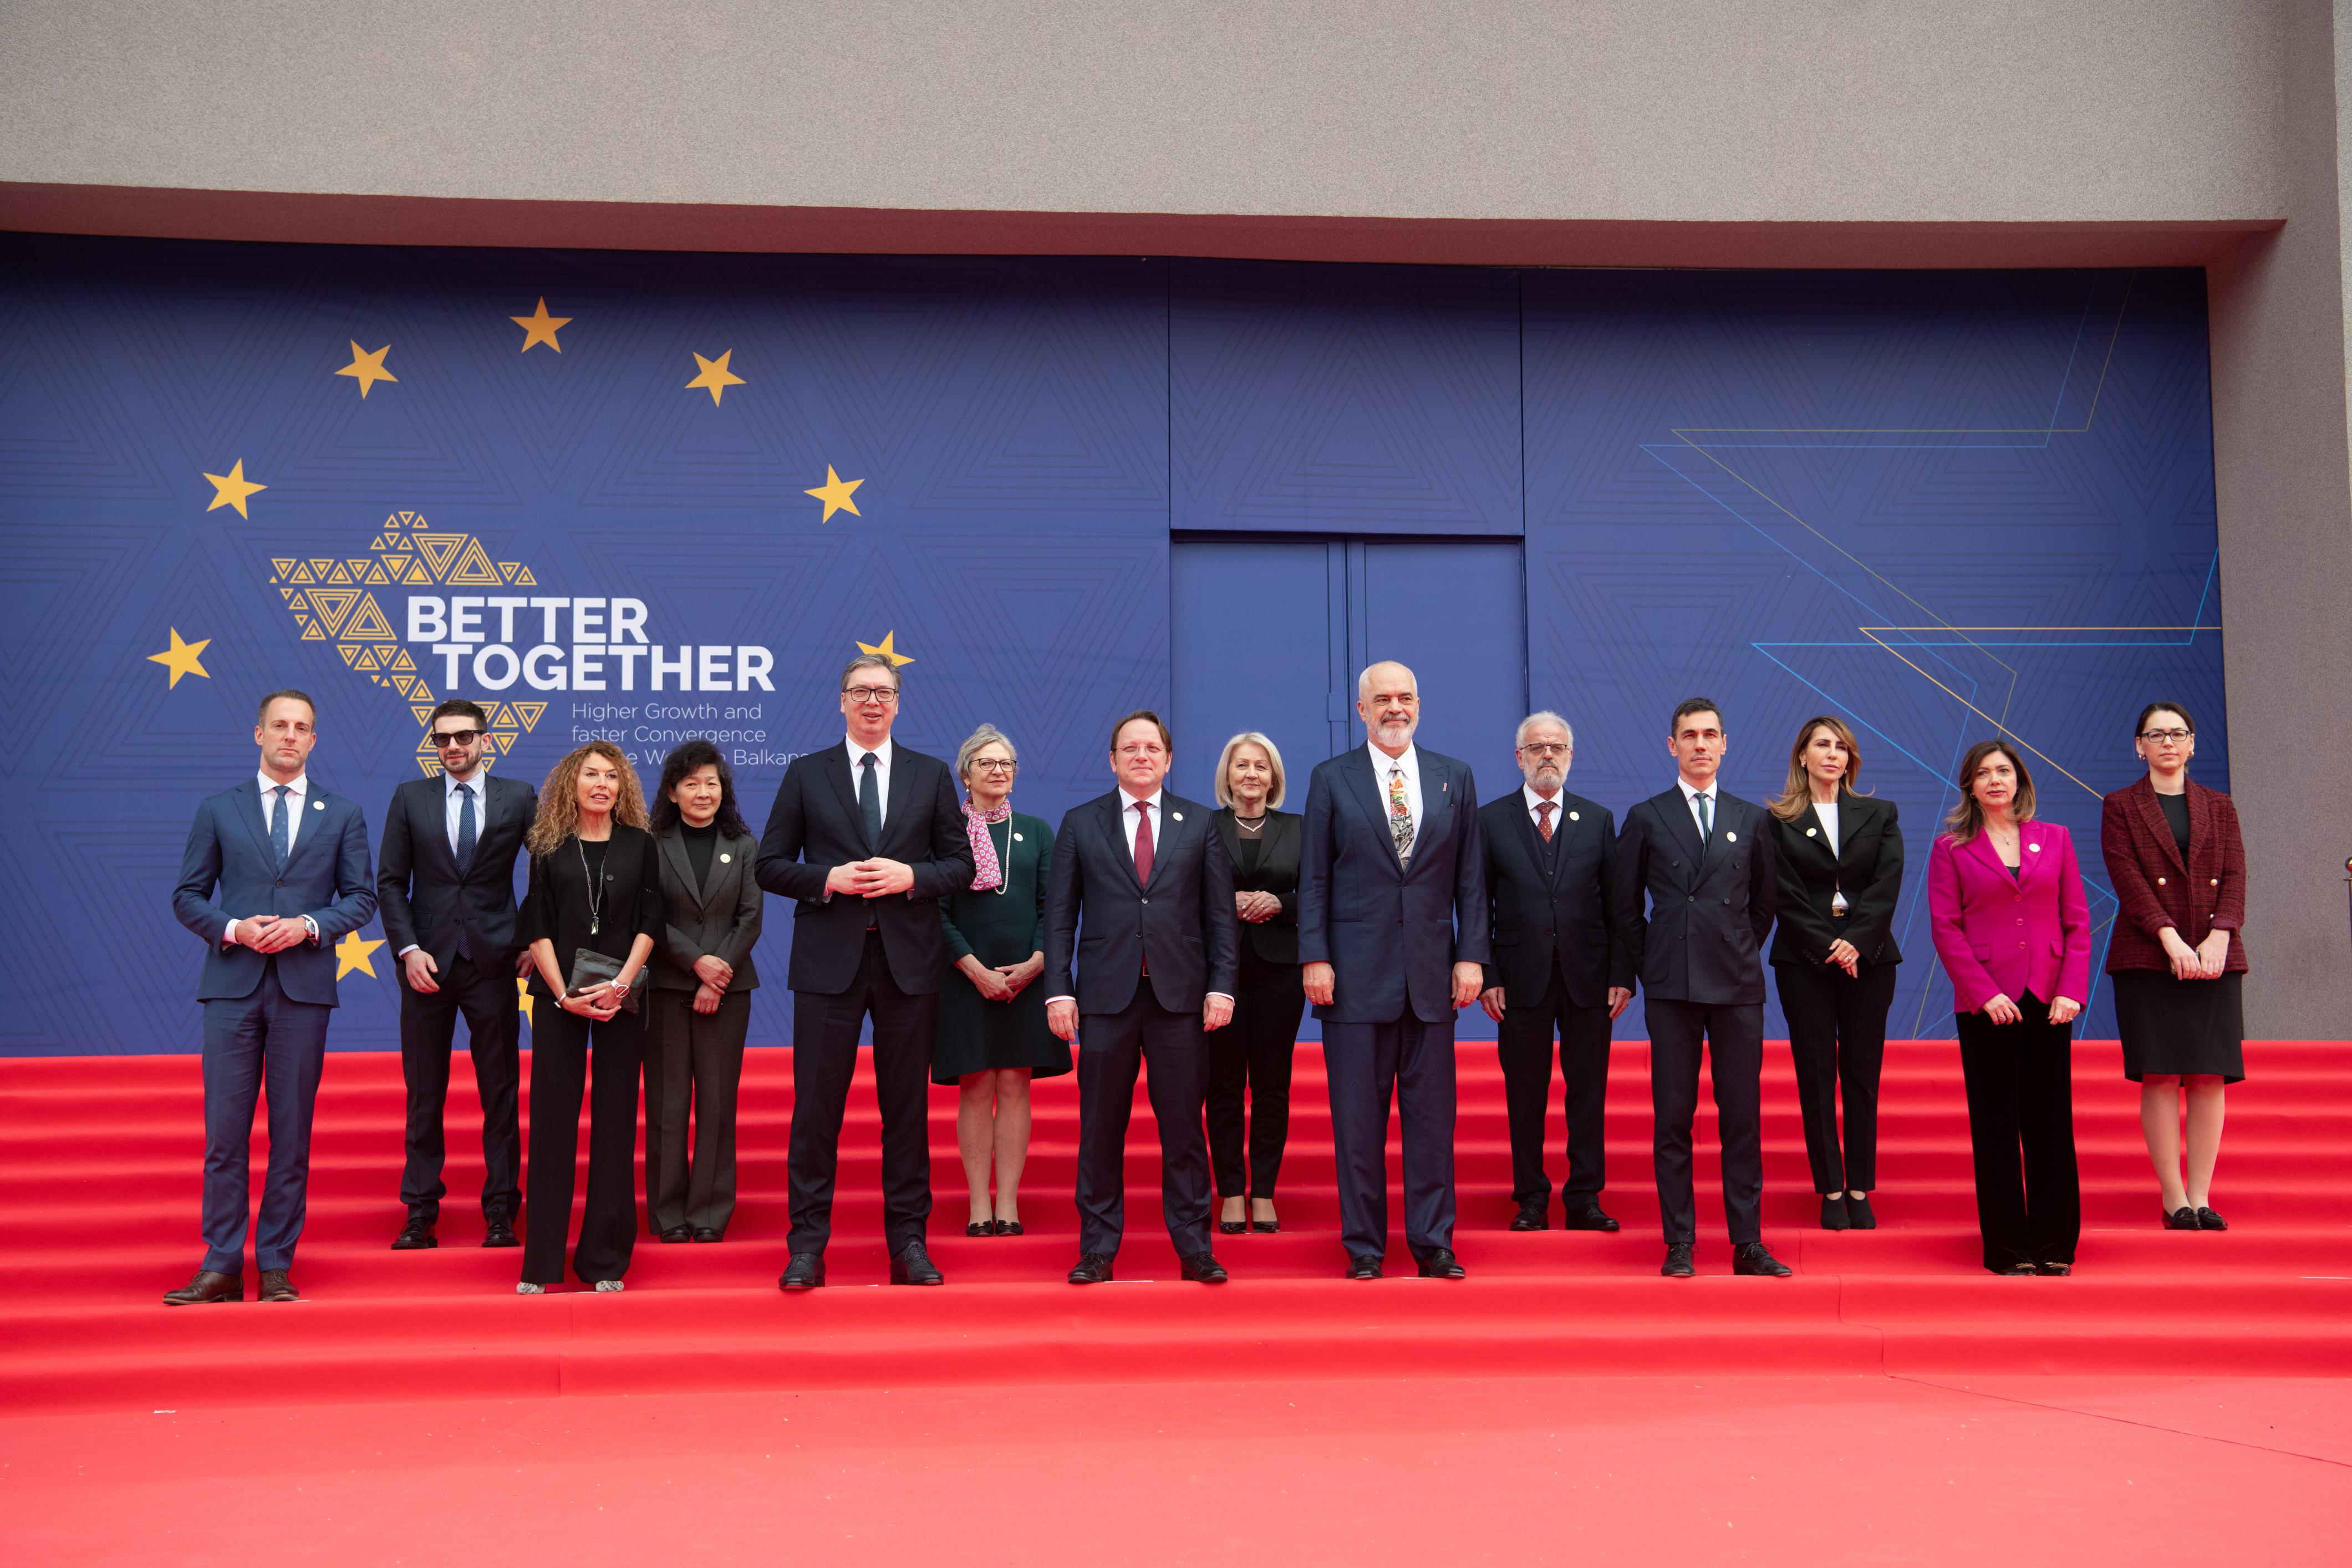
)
(2005, 898)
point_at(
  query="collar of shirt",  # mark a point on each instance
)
(300, 784)
(479, 784)
(1129, 817)
(1689, 793)
(1558, 803)
(858, 754)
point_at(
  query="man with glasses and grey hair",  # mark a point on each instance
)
(1557, 962)
(868, 836)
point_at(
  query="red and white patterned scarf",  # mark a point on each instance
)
(987, 872)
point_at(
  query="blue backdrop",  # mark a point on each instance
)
(651, 495)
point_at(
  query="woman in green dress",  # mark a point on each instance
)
(992, 1035)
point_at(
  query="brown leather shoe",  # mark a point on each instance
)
(207, 1286)
(276, 1287)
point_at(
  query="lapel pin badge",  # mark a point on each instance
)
(1176, 814)
(1016, 839)
(1812, 832)
(2035, 848)
(1572, 817)
(727, 859)
(1731, 838)
(317, 805)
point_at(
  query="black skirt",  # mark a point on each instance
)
(2180, 1026)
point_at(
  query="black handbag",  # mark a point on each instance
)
(589, 967)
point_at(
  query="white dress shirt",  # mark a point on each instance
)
(1132, 819)
(1383, 764)
(1829, 816)
(1690, 799)
(451, 803)
(300, 797)
(1558, 808)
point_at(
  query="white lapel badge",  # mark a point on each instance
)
(1574, 817)
(1176, 814)
(1810, 832)
(2035, 848)
(317, 805)
(727, 859)
(1016, 839)
(1731, 838)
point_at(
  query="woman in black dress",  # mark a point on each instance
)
(2178, 865)
(1255, 1053)
(592, 885)
(1833, 958)
(992, 1037)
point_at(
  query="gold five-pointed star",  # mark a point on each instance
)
(368, 367)
(887, 649)
(523, 990)
(716, 378)
(180, 658)
(233, 488)
(352, 953)
(540, 328)
(835, 493)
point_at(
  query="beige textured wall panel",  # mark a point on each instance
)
(1702, 110)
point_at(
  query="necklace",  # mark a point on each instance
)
(1250, 823)
(595, 893)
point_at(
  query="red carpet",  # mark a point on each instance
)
(98, 1174)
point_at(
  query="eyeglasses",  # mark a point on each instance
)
(2175, 736)
(455, 737)
(882, 694)
(1547, 750)
(994, 764)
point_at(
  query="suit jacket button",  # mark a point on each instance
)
(280, 882)
(1148, 900)
(2217, 881)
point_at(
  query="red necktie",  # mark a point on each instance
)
(1544, 808)
(1143, 853)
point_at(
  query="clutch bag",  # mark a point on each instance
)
(589, 967)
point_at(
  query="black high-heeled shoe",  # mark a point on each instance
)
(1266, 1226)
(1008, 1227)
(1232, 1227)
(981, 1227)
(2183, 1218)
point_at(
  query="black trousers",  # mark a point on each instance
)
(1363, 1064)
(1837, 1038)
(825, 1057)
(493, 1026)
(1732, 1038)
(560, 1053)
(1112, 1047)
(2020, 1085)
(694, 1068)
(1523, 1046)
(1254, 1053)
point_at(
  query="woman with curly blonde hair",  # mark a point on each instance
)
(596, 888)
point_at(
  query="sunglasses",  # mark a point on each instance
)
(455, 737)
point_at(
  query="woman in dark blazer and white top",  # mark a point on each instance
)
(2179, 865)
(1255, 1053)
(700, 1004)
(592, 885)
(1833, 957)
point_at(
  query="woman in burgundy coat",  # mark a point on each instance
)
(2180, 871)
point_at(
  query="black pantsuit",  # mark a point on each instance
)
(1113, 1046)
(2021, 1087)
(1253, 1052)
(560, 1046)
(1523, 1040)
(493, 1026)
(1837, 1038)
(1680, 1032)
(694, 1062)
(825, 1057)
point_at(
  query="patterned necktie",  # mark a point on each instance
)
(281, 833)
(869, 802)
(464, 827)
(1544, 808)
(1705, 821)
(1400, 815)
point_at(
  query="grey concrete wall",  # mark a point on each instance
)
(1806, 110)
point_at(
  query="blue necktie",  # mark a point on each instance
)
(280, 835)
(869, 803)
(464, 827)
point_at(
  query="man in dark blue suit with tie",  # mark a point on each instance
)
(1393, 924)
(290, 862)
(1703, 861)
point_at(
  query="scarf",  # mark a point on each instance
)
(987, 872)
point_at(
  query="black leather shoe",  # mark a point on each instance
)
(418, 1238)
(2183, 1218)
(1364, 1268)
(1204, 1268)
(709, 1233)
(2208, 1220)
(1587, 1217)
(1532, 1215)
(912, 1265)
(206, 1289)
(802, 1271)
(678, 1233)
(497, 1232)
(1833, 1216)
(1755, 1258)
(1678, 1264)
(276, 1287)
(1857, 1212)
(1439, 1263)
(1093, 1268)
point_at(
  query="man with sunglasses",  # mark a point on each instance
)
(868, 836)
(445, 883)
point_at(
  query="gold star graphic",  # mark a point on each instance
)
(233, 488)
(352, 953)
(523, 991)
(540, 328)
(715, 378)
(835, 493)
(180, 658)
(887, 649)
(368, 367)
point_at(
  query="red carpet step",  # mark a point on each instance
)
(99, 1162)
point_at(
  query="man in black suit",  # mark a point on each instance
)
(868, 835)
(445, 883)
(1157, 967)
(1393, 927)
(1704, 859)
(1551, 871)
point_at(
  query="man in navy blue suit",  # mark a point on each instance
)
(1393, 924)
(289, 863)
(1156, 964)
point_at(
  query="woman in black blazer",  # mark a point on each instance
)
(592, 885)
(1833, 958)
(1254, 1052)
(699, 1009)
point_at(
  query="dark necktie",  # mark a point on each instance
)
(281, 834)
(869, 802)
(1705, 824)
(1143, 855)
(1544, 808)
(464, 827)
